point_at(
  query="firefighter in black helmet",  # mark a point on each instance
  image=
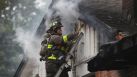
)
(57, 48)
(119, 34)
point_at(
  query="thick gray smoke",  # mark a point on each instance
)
(28, 41)
(25, 35)
(67, 10)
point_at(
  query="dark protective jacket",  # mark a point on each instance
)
(43, 48)
(57, 46)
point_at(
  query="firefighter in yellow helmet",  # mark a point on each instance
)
(57, 46)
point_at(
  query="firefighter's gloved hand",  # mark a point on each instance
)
(61, 60)
(68, 68)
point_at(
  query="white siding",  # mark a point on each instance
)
(87, 49)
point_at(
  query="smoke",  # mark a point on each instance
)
(28, 41)
(28, 72)
(68, 11)
(25, 35)
(31, 46)
(105, 32)
(42, 4)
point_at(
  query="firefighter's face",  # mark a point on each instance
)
(119, 36)
(59, 31)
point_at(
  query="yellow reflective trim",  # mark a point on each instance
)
(65, 38)
(50, 46)
(52, 57)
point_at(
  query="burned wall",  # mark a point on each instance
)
(105, 5)
(119, 14)
(127, 9)
(122, 7)
(135, 9)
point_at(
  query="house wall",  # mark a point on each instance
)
(87, 49)
(104, 5)
(128, 9)
(116, 9)
(135, 9)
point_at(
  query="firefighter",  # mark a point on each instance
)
(44, 44)
(57, 48)
(119, 35)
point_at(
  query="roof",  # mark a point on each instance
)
(115, 55)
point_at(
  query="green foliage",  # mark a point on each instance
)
(6, 27)
(13, 13)
(3, 4)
